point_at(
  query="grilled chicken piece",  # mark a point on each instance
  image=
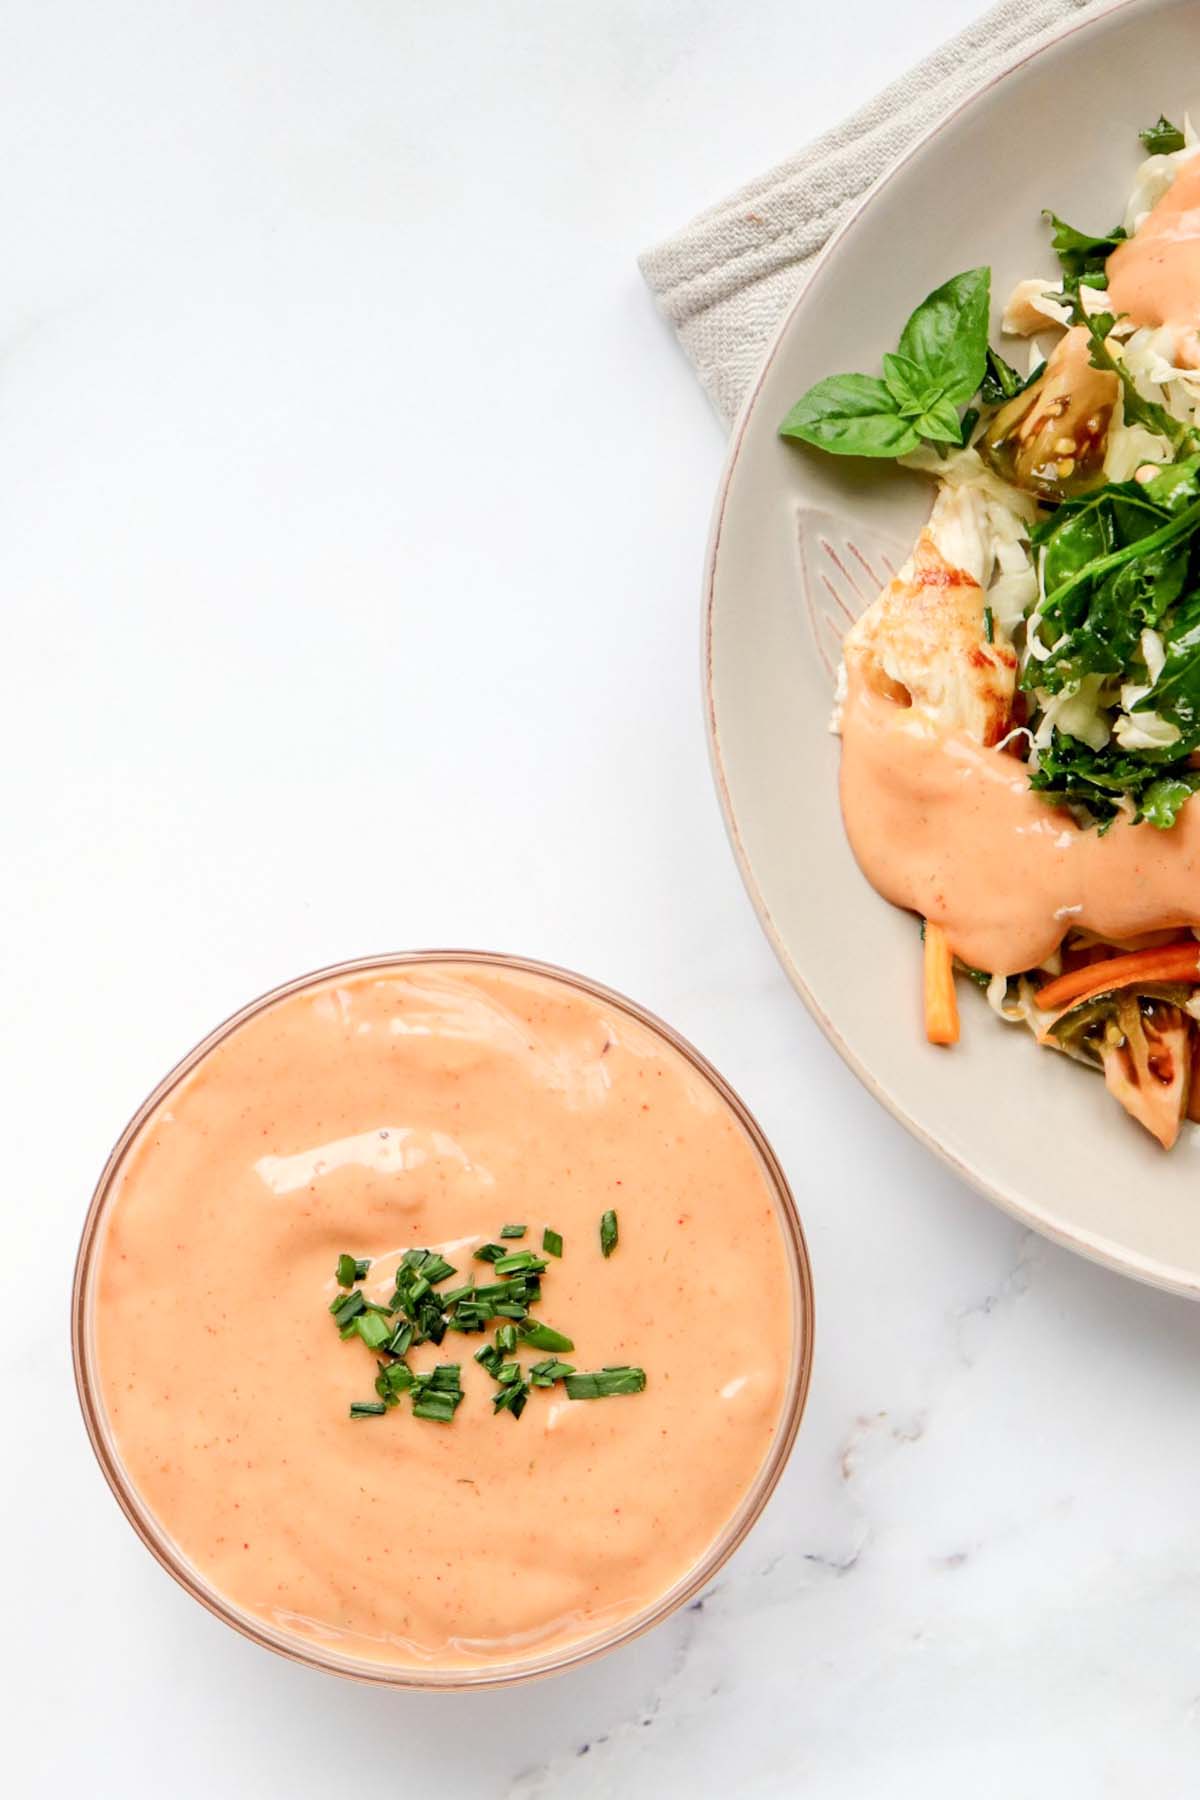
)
(1050, 440)
(923, 642)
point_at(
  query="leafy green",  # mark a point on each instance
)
(1161, 801)
(1175, 696)
(851, 415)
(938, 366)
(1071, 773)
(947, 336)
(1161, 138)
(1082, 254)
(1001, 381)
(1114, 566)
(1138, 410)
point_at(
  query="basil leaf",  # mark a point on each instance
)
(908, 385)
(947, 335)
(941, 423)
(1161, 138)
(851, 415)
(1161, 801)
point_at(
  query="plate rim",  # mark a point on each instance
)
(1095, 1248)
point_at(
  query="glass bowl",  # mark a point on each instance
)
(493, 1674)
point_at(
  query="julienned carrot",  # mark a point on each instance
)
(941, 1002)
(1170, 962)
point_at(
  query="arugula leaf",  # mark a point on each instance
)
(938, 366)
(1138, 410)
(1161, 138)
(1001, 381)
(851, 415)
(947, 335)
(1081, 253)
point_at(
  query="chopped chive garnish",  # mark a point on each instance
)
(437, 1269)
(441, 1407)
(598, 1384)
(346, 1306)
(426, 1315)
(372, 1330)
(511, 1397)
(545, 1374)
(989, 625)
(544, 1337)
(521, 1262)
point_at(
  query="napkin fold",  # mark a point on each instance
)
(725, 281)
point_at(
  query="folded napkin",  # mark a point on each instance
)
(727, 279)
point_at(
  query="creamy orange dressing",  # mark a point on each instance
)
(1155, 277)
(953, 830)
(428, 1106)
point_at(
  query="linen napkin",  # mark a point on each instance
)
(725, 281)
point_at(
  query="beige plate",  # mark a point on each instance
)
(799, 539)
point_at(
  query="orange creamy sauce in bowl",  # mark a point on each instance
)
(426, 1103)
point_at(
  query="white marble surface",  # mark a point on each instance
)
(354, 502)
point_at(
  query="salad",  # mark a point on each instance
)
(1020, 706)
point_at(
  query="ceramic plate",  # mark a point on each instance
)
(801, 541)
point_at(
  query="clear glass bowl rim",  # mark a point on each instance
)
(448, 1679)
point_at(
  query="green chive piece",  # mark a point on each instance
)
(545, 1374)
(437, 1269)
(506, 1338)
(509, 1309)
(372, 1330)
(490, 1253)
(513, 1231)
(400, 1342)
(544, 1337)
(452, 1296)
(367, 1409)
(598, 1384)
(521, 1262)
(488, 1358)
(552, 1242)
(511, 1398)
(436, 1406)
(350, 1270)
(608, 1233)
(346, 1306)
(989, 625)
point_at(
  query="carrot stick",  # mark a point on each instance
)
(1170, 962)
(941, 1002)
